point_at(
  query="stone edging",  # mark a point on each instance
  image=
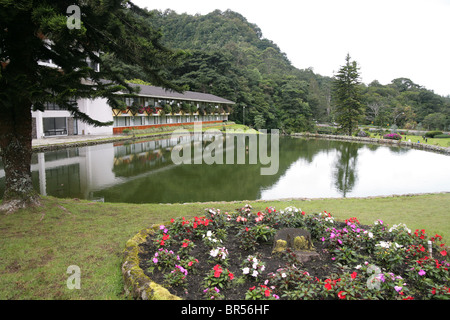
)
(399, 143)
(137, 285)
(79, 144)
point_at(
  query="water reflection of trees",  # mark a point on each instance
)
(345, 174)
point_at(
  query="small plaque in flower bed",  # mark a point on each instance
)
(298, 240)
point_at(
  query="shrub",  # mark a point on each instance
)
(392, 136)
(432, 134)
(442, 136)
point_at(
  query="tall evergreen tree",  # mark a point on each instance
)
(347, 95)
(69, 33)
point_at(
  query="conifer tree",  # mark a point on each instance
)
(70, 34)
(347, 96)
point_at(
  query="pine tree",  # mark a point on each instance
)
(347, 96)
(69, 33)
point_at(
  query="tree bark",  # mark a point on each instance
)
(16, 151)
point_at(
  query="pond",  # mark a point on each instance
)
(143, 172)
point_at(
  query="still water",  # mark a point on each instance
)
(143, 172)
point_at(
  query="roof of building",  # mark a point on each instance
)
(158, 92)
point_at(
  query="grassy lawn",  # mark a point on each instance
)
(433, 141)
(38, 245)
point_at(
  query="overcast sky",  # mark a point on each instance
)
(388, 38)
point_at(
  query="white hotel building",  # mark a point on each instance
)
(149, 109)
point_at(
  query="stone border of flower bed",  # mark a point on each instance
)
(137, 285)
(399, 143)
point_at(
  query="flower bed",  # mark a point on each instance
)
(229, 256)
(392, 136)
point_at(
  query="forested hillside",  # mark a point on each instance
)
(227, 56)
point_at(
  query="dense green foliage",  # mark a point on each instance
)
(226, 55)
(347, 95)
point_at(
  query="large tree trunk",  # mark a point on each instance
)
(16, 151)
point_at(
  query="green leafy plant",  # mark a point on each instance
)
(218, 277)
(252, 266)
(261, 292)
(177, 277)
(213, 294)
(247, 239)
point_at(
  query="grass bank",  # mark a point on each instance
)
(38, 245)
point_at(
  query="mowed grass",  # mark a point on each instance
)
(433, 141)
(38, 245)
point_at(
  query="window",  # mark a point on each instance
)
(121, 121)
(55, 126)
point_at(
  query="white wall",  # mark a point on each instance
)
(97, 109)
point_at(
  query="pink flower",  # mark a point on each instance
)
(422, 272)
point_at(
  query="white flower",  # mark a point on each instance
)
(283, 275)
(255, 273)
(214, 252)
(358, 267)
(384, 244)
(397, 245)
(245, 271)
(263, 267)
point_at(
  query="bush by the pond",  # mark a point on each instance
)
(229, 256)
(442, 136)
(432, 134)
(392, 136)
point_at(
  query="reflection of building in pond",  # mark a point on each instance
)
(79, 172)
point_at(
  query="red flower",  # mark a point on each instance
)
(231, 276)
(267, 291)
(162, 242)
(172, 220)
(217, 271)
(166, 237)
(328, 284)
(443, 252)
(341, 295)
(185, 244)
(353, 275)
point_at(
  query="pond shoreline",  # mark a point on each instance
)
(388, 142)
(77, 143)
(83, 142)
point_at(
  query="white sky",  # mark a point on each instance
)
(388, 38)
